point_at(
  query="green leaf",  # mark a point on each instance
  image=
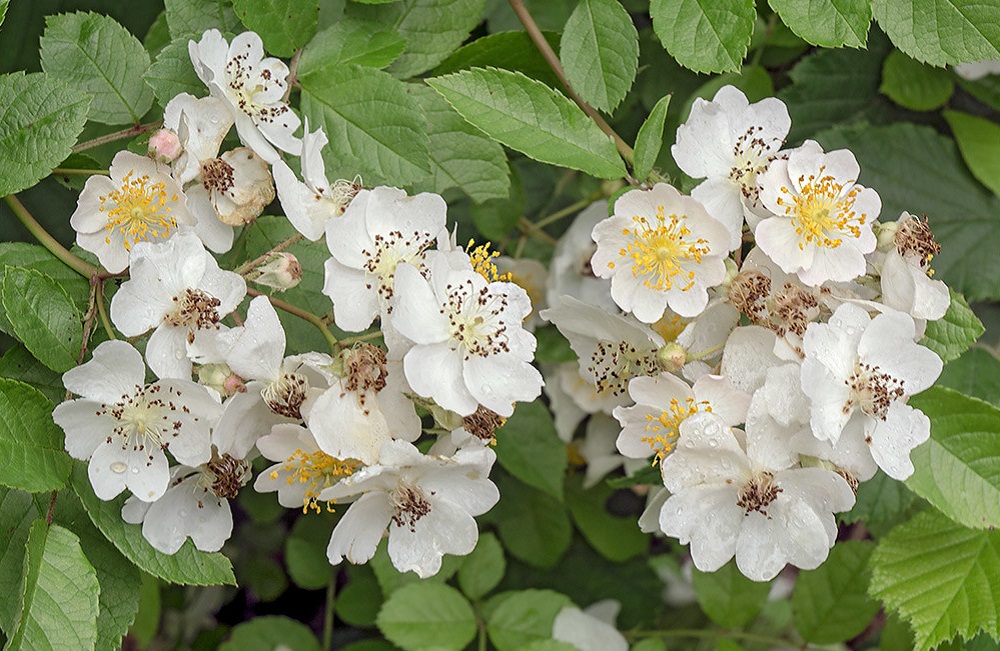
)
(914, 85)
(39, 122)
(192, 18)
(942, 578)
(530, 117)
(549, 645)
(3, 9)
(649, 142)
(532, 525)
(17, 512)
(33, 256)
(188, 566)
(914, 168)
(31, 444)
(512, 51)
(147, 620)
(461, 156)
(427, 616)
(615, 538)
(305, 550)
(882, 503)
(958, 469)
(979, 141)
(955, 332)
(523, 617)
(976, 373)
(359, 602)
(43, 317)
(58, 597)
(727, 597)
(986, 90)
(704, 35)
(376, 130)
(283, 25)
(483, 568)
(119, 579)
(495, 218)
(96, 55)
(829, 23)
(432, 29)
(350, 41)
(600, 52)
(269, 632)
(831, 603)
(172, 74)
(529, 448)
(941, 32)
(650, 644)
(19, 364)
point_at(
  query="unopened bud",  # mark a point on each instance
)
(885, 232)
(281, 271)
(671, 357)
(732, 271)
(164, 146)
(221, 378)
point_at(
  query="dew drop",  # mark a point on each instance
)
(118, 467)
(135, 471)
(182, 513)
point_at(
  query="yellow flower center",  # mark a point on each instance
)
(661, 253)
(482, 262)
(663, 430)
(318, 470)
(821, 211)
(139, 210)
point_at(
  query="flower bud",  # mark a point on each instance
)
(164, 146)
(281, 271)
(671, 357)
(221, 378)
(885, 232)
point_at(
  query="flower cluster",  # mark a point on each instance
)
(336, 427)
(760, 341)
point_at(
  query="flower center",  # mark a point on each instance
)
(914, 239)
(285, 395)
(872, 390)
(143, 420)
(409, 504)
(663, 430)
(748, 293)
(661, 253)
(245, 86)
(614, 363)
(475, 319)
(821, 211)
(217, 175)
(390, 249)
(138, 210)
(482, 262)
(483, 423)
(758, 493)
(751, 154)
(194, 309)
(225, 475)
(317, 470)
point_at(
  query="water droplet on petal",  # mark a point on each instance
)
(118, 467)
(182, 513)
(135, 471)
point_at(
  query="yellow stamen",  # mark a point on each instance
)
(661, 252)
(139, 210)
(664, 429)
(318, 470)
(482, 262)
(819, 211)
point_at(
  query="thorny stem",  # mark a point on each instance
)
(735, 635)
(331, 600)
(550, 57)
(117, 135)
(49, 242)
(335, 345)
(281, 246)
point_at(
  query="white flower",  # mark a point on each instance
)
(664, 402)
(978, 69)
(123, 426)
(728, 142)
(858, 373)
(310, 205)
(572, 398)
(195, 506)
(822, 223)
(178, 289)
(592, 629)
(380, 229)
(611, 349)
(531, 276)
(660, 248)
(470, 347)
(752, 503)
(904, 275)
(253, 89)
(570, 273)
(302, 471)
(749, 352)
(427, 503)
(598, 449)
(139, 202)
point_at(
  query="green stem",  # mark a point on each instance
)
(302, 314)
(103, 312)
(72, 170)
(328, 617)
(281, 246)
(550, 57)
(571, 209)
(708, 352)
(368, 336)
(55, 248)
(532, 229)
(735, 635)
(117, 135)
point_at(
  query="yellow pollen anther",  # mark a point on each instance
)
(661, 252)
(482, 262)
(318, 470)
(139, 210)
(821, 210)
(665, 429)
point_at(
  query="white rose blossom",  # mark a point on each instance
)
(123, 426)
(728, 142)
(660, 249)
(570, 272)
(904, 274)
(137, 202)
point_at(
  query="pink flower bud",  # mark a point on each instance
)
(281, 271)
(164, 147)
